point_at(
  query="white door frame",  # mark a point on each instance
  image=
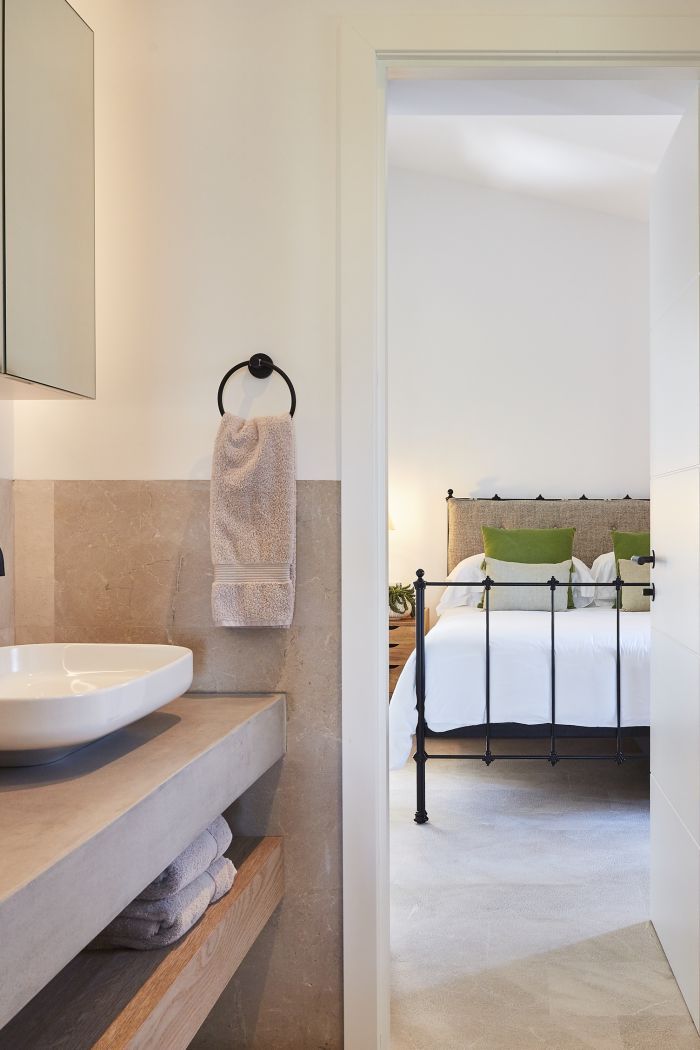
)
(371, 49)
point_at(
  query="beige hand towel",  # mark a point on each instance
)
(253, 522)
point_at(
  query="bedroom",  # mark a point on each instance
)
(519, 365)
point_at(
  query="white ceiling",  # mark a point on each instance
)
(562, 91)
(590, 144)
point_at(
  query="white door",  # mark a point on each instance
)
(675, 525)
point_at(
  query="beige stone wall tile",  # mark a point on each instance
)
(30, 634)
(118, 549)
(317, 599)
(34, 559)
(225, 658)
(132, 564)
(305, 809)
(303, 1011)
(140, 634)
(7, 544)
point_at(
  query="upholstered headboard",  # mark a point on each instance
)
(592, 518)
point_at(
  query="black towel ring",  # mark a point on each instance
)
(261, 366)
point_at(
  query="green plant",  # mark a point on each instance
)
(402, 598)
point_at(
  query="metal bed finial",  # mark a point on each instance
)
(261, 366)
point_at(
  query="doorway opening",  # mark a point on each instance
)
(518, 304)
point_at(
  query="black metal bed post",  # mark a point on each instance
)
(487, 756)
(618, 671)
(553, 757)
(421, 816)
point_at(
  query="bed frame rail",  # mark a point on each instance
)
(422, 757)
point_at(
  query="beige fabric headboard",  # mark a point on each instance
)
(592, 518)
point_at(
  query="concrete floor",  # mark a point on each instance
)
(520, 916)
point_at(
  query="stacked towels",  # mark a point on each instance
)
(171, 904)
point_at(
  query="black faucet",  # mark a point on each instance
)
(2, 563)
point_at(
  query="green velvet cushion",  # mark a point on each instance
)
(627, 544)
(528, 545)
(531, 546)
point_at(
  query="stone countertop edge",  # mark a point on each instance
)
(115, 814)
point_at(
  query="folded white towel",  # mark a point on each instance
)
(144, 925)
(193, 861)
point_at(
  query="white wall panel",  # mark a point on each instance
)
(675, 743)
(675, 382)
(675, 526)
(675, 222)
(675, 895)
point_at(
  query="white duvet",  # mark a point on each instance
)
(455, 672)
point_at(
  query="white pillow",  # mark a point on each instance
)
(470, 570)
(604, 570)
(467, 571)
(524, 599)
(583, 595)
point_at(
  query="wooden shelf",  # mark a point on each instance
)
(140, 1000)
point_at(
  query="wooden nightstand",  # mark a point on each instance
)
(402, 642)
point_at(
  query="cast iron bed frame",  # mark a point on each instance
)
(422, 757)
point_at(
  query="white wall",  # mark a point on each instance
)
(215, 220)
(518, 342)
(216, 224)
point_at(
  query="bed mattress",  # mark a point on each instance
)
(455, 672)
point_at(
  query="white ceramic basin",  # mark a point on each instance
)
(56, 698)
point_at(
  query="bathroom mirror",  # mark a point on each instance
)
(49, 197)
